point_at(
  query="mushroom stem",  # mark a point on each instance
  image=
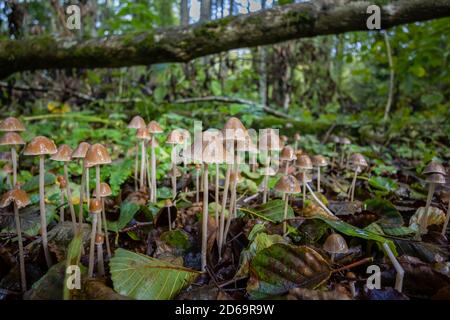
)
(318, 179)
(423, 222)
(222, 211)
(48, 259)
(320, 203)
(142, 173)
(444, 227)
(217, 195)
(286, 202)
(265, 187)
(287, 168)
(231, 211)
(92, 246)
(197, 185)
(61, 208)
(105, 227)
(149, 177)
(14, 163)
(153, 160)
(333, 255)
(397, 266)
(352, 188)
(174, 177)
(88, 192)
(8, 181)
(253, 161)
(21, 255)
(100, 264)
(304, 188)
(205, 217)
(69, 199)
(80, 208)
(295, 146)
(203, 176)
(136, 165)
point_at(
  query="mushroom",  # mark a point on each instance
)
(343, 141)
(143, 135)
(20, 199)
(357, 163)
(174, 138)
(11, 124)
(287, 155)
(64, 154)
(153, 128)
(304, 164)
(62, 188)
(287, 185)
(319, 162)
(297, 138)
(136, 123)
(12, 139)
(432, 179)
(97, 155)
(80, 153)
(41, 146)
(105, 191)
(335, 244)
(95, 208)
(269, 142)
(198, 168)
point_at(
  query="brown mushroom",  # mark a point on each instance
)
(304, 164)
(287, 155)
(319, 162)
(11, 124)
(335, 244)
(432, 179)
(153, 128)
(80, 153)
(95, 208)
(287, 185)
(105, 191)
(12, 140)
(41, 146)
(136, 123)
(20, 199)
(64, 154)
(357, 163)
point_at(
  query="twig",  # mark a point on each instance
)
(354, 264)
(136, 226)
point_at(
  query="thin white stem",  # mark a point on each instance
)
(217, 195)
(61, 208)
(48, 259)
(205, 217)
(397, 266)
(265, 187)
(286, 170)
(88, 191)
(136, 165)
(92, 246)
(320, 203)
(304, 188)
(318, 179)
(174, 177)
(100, 264)
(149, 177)
(352, 196)
(153, 160)
(23, 280)
(105, 227)
(231, 211)
(80, 208)
(423, 220)
(197, 185)
(69, 199)
(141, 176)
(14, 163)
(222, 211)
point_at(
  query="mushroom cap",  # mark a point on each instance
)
(175, 137)
(288, 184)
(62, 182)
(99, 238)
(154, 127)
(434, 167)
(304, 162)
(269, 140)
(105, 190)
(335, 139)
(18, 196)
(267, 171)
(137, 123)
(234, 130)
(357, 160)
(288, 154)
(213, 148)
(234, 123)
(143, 134)
(319, 161)
(436, 178)
(11, 124)
(335, 243)
(177, 172)
(81, 151)
(235, 176)
(95, 206)
(344, 140)
(64, 153)
(39, 146)
(300, 176)
(97, 155)
(284, 138)
(11, 139)
(297, 137)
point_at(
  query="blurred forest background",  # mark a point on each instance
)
(390, 88)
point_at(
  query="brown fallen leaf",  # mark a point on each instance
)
(339, 293)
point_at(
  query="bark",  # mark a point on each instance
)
(182, 44)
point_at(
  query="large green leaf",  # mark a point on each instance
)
(146, 278)
(30, 220)
(127, 212)
(272, 211)
(280, 267)
(389, 215)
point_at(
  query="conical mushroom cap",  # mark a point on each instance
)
(234, 130)
(63, 154)
(11, 139)
(304, 162)
(288, 184)
(154, 127)
(81, 151)
(143, 134)
(319, 161)
(297, 137)
(18, 196)
(269, 140)
(137, 123)
(40, 146)
(434, 167)
(97, 155)
(287, 154)
(174, 137)
(436, 178)
(11, 124)
(335, 243)
(335, 139)
(62, 182)
(344, 140)
(357, 160)
(95, 206)
(300, 176)
(105, 190)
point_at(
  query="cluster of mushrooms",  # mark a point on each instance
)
(209, 153)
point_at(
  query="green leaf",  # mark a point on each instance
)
(389, 215)
(384, 184)
(272, 211)
(176, 238)
(30, 220)
(146, 278)
(73, 258)
(33, 184)
(127, 212)
(280, 267)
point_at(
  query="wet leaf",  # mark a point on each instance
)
(176, 238)
(145, 278)
(389, 215)
(272, 211)
(435, 216)
(308, 294)
(280, 267)
(30, 219)
(127, 212)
